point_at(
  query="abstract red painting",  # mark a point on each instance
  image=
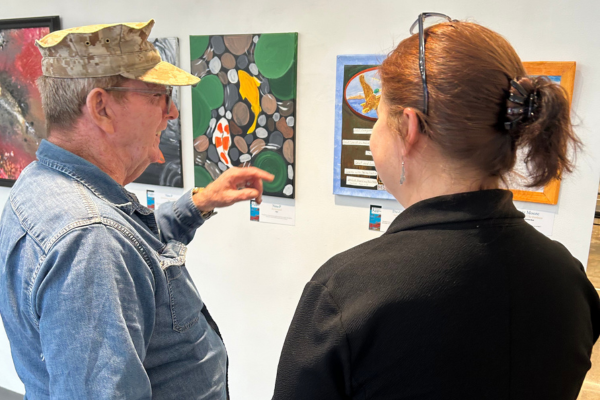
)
(22, 124)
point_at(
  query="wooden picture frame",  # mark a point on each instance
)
(563, 72)
(22, 122)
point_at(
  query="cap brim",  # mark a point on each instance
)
(164, 73)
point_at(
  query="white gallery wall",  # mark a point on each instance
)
(250, 274)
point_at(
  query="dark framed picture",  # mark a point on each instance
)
(22, 122)
(167, 171)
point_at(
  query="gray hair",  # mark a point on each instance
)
(64, 98)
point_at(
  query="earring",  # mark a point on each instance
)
(403, 176)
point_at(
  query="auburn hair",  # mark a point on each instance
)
(469, 69)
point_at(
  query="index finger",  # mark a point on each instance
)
(258, 185)
(255, 173)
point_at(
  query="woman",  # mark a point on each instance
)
(461, 298)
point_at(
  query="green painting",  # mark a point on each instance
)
(244, 107)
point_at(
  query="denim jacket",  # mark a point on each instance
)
(95, 296)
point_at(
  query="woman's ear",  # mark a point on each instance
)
(413, 130)
(99, 110)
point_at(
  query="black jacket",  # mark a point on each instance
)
(459, 299)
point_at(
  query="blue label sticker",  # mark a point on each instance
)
(150, 199)
(375, 218)
(254, 211)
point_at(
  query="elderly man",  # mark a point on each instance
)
(94, 292)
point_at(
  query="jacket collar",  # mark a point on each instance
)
(96, 180)
(456, 208)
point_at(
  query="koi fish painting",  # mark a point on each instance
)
(22, 122)
(244, 107)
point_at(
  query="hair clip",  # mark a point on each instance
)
(519, 88)
(510, 125)
(515, 98)
(515, 110)
(532, 104)
(528, 102)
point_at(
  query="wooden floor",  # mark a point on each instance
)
(8, 395)
(593, 268)
(591, 386)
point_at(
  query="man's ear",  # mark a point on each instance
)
(97, 104)
(413, 130)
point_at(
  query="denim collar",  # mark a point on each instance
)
(89, 175)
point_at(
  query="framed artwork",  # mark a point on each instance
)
(562, 73)
(22, 122)
(358, 90)
(244, 108)
(167, 172)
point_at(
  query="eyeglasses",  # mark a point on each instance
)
(419, 21)
(167, 92)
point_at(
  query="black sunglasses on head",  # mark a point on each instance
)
(419, 21)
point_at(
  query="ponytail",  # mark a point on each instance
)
(544, 128)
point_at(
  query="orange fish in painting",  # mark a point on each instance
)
(222, 141)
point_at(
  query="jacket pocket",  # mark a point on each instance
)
(184, 299)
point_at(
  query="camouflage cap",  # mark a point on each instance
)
(103, 50)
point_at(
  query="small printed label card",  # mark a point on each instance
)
(154, 196)
(160, 198)
(541, 220)
(155, 199)
(273, 211)
(381, 218)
